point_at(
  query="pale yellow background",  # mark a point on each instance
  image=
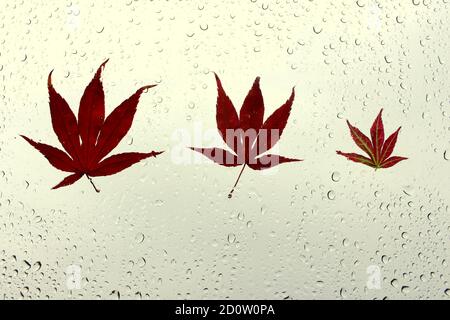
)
(165, 230)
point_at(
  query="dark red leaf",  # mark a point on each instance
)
(251, 115)
(273, 127)
(389, 145)
(242, 135)
(98, 137)
(117, 124)
(57, 158)
(361, 140)
(69, 180)
(379, 150)
(119, 162)
(389, 162)
(64, 122)
(220, 156)
(377, 135)
(91, 113)
(269, 161)
(226, 116)
(357, 158)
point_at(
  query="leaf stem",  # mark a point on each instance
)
(92, 182)
(230, 195)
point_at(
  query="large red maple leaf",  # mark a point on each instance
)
(247, 135)
(90, 139)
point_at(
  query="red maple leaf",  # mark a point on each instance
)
(90, 139)
(247, 135)
(377, 149)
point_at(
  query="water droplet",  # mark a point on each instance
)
(140, 237)
(331, 195)
(405, 290)
(394, 283)
(335, 176)
(317, 30)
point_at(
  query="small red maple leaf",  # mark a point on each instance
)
(246, 134)
(378, 149)
(90, 139)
